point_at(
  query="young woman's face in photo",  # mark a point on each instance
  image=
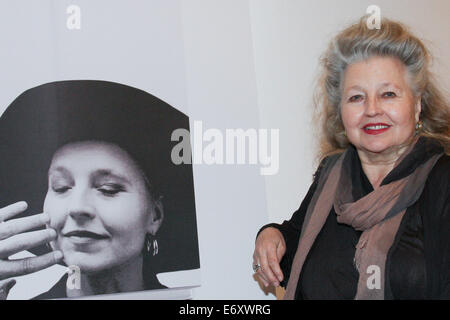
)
(98, 204)
(378, 108)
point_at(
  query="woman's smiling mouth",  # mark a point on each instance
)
(376, 128)
(84, 236)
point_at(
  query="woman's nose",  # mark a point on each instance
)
(373, 107)
(80, 206)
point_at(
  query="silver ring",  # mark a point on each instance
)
(256, 267)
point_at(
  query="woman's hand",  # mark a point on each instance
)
(15, 237)
(269, 249)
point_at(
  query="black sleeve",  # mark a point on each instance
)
(436, 221)
(445, 242)
(444, 230)
(291, 228)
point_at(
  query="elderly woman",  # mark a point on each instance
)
(95, 158)
(375, 224)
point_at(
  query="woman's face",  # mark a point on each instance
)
(378, 108)
(99, 206)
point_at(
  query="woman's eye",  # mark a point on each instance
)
(355, 98)
(110, 189)
(60, 190)
(389, 94)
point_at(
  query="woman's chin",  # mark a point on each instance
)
(88, 263)
(377, 149)
(384, 148)
(377, 146)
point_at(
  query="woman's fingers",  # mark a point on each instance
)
(281, 250)
(262, 277)
(16, 226)
(15, 238)
(25, 241)
(259, 272)
(5, 287)
(264, 272)
(274, 265)
(12, 210)
(19, 267)
(270, 248)
(269, 264)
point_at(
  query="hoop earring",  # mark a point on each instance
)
(155, 247)
(152, 245)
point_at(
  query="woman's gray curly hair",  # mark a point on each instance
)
(358, 43)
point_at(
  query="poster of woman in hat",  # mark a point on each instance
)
(87, 182)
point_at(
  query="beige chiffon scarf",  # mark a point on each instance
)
(377, 214)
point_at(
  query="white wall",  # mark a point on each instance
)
(230, 199)
(288, 37)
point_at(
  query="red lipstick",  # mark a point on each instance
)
(376, 128)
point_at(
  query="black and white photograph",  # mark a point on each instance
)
(87, 182)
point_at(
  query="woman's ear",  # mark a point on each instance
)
(156, 216)
(418, 109)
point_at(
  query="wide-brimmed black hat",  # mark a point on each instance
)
(44, 118)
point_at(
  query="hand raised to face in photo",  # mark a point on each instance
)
(16, 235)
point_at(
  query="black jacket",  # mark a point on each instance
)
(418, 263)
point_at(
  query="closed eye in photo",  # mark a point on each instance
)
(111, 189)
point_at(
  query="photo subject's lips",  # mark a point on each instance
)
(375, 128)
(84, 236)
